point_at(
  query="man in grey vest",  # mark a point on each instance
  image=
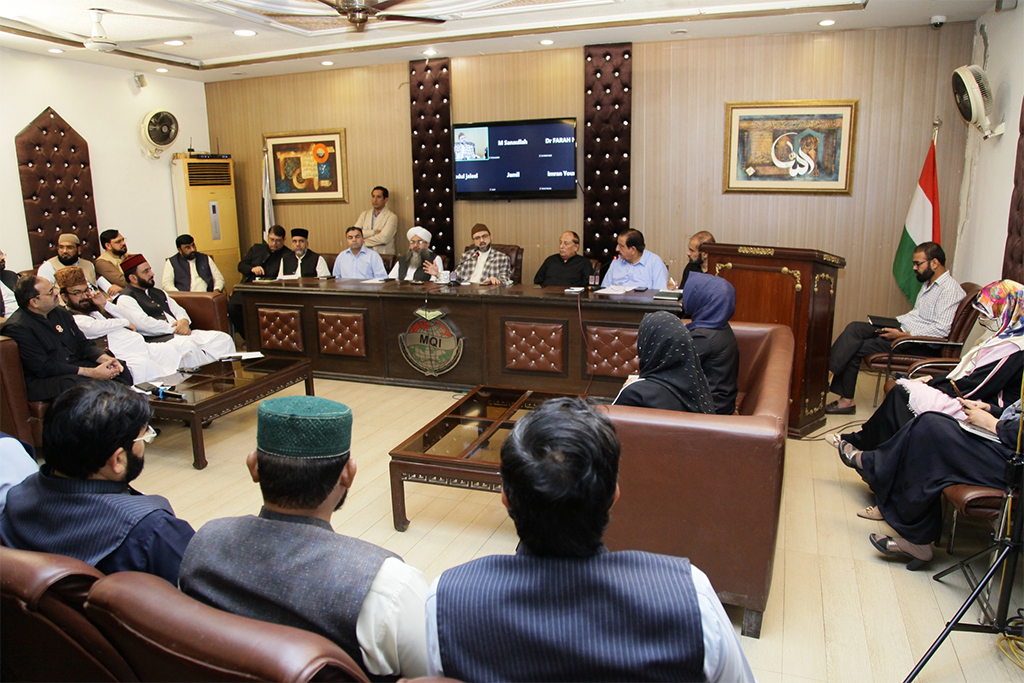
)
(288, 566)
(68, 248)
(191, 270)
(563, 608)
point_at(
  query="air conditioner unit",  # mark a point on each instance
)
(204, 207)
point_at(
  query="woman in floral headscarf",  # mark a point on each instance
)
(988, 375)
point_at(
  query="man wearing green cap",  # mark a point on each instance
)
(287, 566)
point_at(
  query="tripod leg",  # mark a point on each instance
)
(960, 614)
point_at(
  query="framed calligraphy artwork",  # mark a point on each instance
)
(307, 166)
(800, 146)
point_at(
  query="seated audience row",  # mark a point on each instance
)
(608, 616)
(933, 433)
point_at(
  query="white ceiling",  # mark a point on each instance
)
(297, 35)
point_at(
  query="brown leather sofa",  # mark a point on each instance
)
(18, 417)
(708, 487)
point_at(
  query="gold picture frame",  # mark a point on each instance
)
(790, 146)
(307, 166)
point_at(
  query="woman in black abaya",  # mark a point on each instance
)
(670, 374)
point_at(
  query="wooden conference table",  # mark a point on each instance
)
(521, 336)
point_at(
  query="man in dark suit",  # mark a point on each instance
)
(263, 260)
(55, 355)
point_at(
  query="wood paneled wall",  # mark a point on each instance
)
(901, 77)
(370, 103)
(525, 85)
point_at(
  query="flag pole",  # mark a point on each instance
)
(936, 124)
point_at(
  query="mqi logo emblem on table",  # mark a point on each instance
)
(430, 344)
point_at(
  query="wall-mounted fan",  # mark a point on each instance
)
(358, 12)
(159, 131)
(973, 95)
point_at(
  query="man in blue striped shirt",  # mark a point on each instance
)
(564, 608)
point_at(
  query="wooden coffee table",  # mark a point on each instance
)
(461, 447)
(222, 387)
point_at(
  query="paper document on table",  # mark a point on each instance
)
(374, 281)
(248, 355)
(614, 289)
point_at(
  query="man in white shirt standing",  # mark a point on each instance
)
(380, 223)
(97, 317)
(288, 566)
(191, 270)
(357, 262)
(158, 317)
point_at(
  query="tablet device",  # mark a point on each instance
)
(883, 321)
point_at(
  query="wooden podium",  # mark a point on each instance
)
(792, 287)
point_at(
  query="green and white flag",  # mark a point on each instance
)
(267, 205)
(922, 225)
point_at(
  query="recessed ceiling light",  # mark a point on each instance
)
(430, 52)
(326, 63)
(547, 42)
(237, 73)
(161, 70)
(174, 43)
(827, 22)
(245, 33)
(56, 51)
(680, 31)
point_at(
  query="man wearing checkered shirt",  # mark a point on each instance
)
(482, 264)
(932, 316)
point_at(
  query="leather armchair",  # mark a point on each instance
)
(18, 417)
(709, 487)
(208, 310)
(165, 635)
(46, 634)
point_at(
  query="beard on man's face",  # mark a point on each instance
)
(341, 501)
(415, 259)
(120, 252)
(926, 275)
(68, 260)
(84, 305)
(148, 283)
(191, 256)
(134, 467)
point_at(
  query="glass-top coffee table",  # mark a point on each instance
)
(462, 446)
(221, 387)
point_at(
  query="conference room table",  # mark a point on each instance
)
(450, 336)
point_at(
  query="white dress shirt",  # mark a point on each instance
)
(10, 303)
(934, 308)
(409, 273)
(390, 626)
(16, 464)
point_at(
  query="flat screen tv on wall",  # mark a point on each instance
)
(533, 159)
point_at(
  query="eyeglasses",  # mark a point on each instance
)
(918, 264)
(148, 436)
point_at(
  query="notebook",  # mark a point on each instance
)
(977, 431)
(883, 321)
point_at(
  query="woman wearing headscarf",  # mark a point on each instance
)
(670, 374)
(909, 471)
(989, 373)
(711, 302)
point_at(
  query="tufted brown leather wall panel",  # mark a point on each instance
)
(611, 351)
(432, 167)
(56, 186)
(281, 329)
(341, 333)
(1013, 255)
(534, 346)
(607, 82)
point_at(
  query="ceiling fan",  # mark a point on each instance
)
(359, 12)
(97, 41)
